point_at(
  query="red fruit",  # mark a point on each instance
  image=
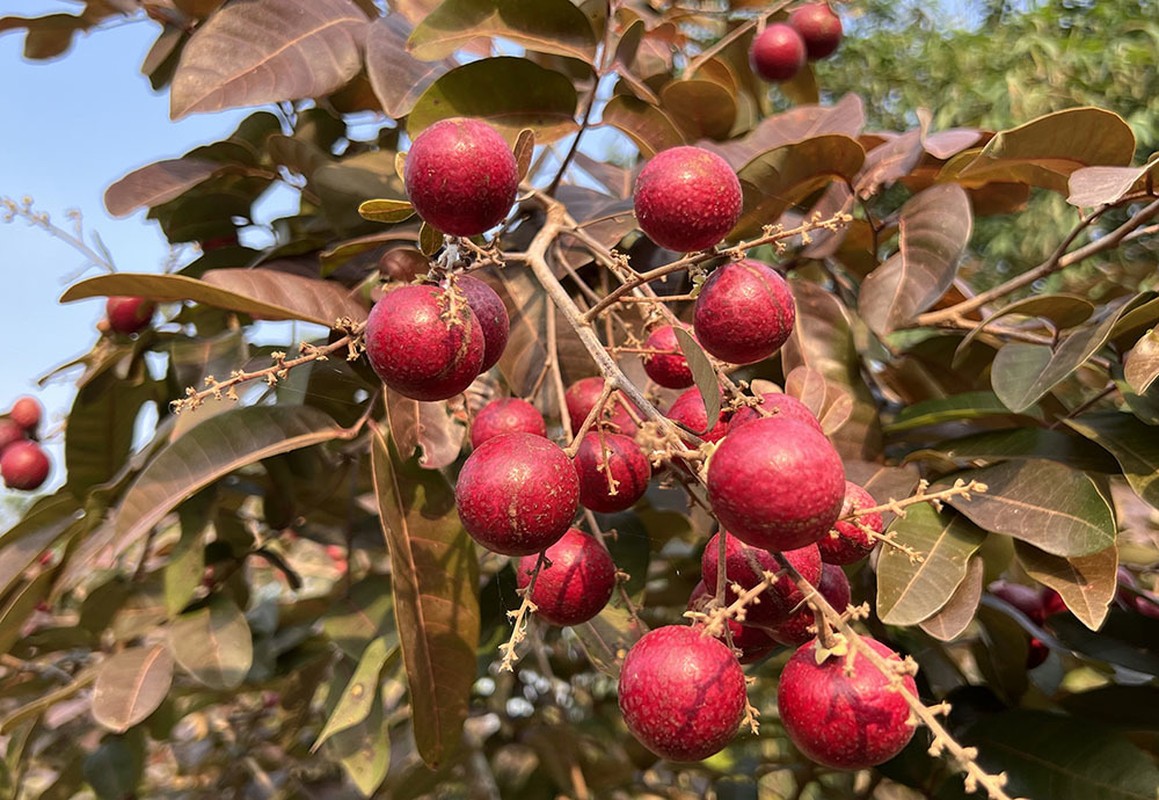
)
(778, 53)
(1036, 652)
(461, 177)
(687, 199)
(423, 343)
(1024, 598)
(1147, 604)
(744, 312)
(583, 395)
(777, 404)
(24, 466)
(842, 713)
(517, 494)
(669, 368)
(753, 643)
(819, 28)
(218, 242)
(506, 415)
(10, 433)
(492, 315)
(682, 694)
(834, 587)
(576, 584)
(746, 565)
(847, 543)
(336, 552)
(602, 454)
(776, 484)
(1052, 602)
(129, 314)
(688, 409)
(26, 413)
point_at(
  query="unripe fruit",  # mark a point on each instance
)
(506, 415)
(819, 28)
(744, 312)
(779, 405)
(24, 466)
(842, 713)
(778, 53)
(26, 413)
(846, 542)
(746, 566)
(517, 494)
(582, 396)
(753, 643)
(10, 434)
(424, 343)
(688, 409)
(576, 584)
(461, 176)
(492, 316)
(605, 459)
(682, 693)
(687, 199)
(129, 314)
(776, 484)
(834, 587)
(669, 367)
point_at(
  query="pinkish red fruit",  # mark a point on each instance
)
(506, 415)
(10, 434)
(26, 413)
(777, 404)
(668, 367)
(744, 312)
(846, 542)
(129, 314)
(842, 713)
(776, 484)
(582, 396)
(423, 343)
(1026, 599)
(753, 643)
(834, 587)
(517, 494)
(687, 199)
(682, 693)
(778, 53)
(461, 176)
(688, 409)
(24, 466)
(819, 28)
(492, 316)
(746, 566)
(603, 456)
(576, 584)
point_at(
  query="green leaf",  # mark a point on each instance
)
(1064, 310)
(186, 567)
(956, 408)
(363, 749)
(1141, 366)
(1087, 583)
(430, 240)
(360, 693)
(389, 211)
(1045, 503)
(19, 605)
(649, 128)
(213, 643)
(131, 685)
(158, 183)
(1127, 639)
(608, 636)
(115, 769)
(545, 26)
(435, 580)
(45, 522)
(958, 612)
(1133, 444)
(909, 593)
(364, 614)
(509, 93)
(1131, 707)
(99, 434)
(703, 372)
(1021, 443)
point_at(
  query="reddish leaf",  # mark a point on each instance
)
(157, 183)
(131, 685)
(544, 26)
(417, 425)
(397, 77)
(1094, 186)
(649, 128)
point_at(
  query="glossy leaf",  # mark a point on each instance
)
(360, 693)
(1087, 583)
(938, 411)
(131, 685)
(545, 26)
(1133, 444)
(388, 211)
(523, 151)
(1044, 503)
(101, 423)
(157, 183)
(291, 51)
(958, 612)
(1096, 186)
(1141, 366)
(1020, 443)
(435, 596)
(702, 372)
(397, 77)
(909, 593)
(650, 128)
(213, 643)
(423, 427)
(1064, 310)
(703, 109)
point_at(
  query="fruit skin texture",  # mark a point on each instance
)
(778, 53)
(843, 721)
(670, 370)
(687, 199)
(10, 434)
(688, 409)
(582, 395)
(26, 413)
(626, 463)
(776, 484)
(682, 694)
(423, 345)
(506, 415)
(819, 28)
(846, 543)
(754, 643)
(24, 466)
(778, 404)
(746, 565)
(517, 494)
(461, 176)
(129, 314)
(576, 585)
(492, 316)
(744, 312)
(834, 587)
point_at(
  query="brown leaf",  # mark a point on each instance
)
(958, 612)
(397, 77)
(415, 424)
(1087, 583)
(157, 183)
(130, 686)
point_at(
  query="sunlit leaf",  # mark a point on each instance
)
(45, 522)
(389, 211)
(703, 372)
(703, 109)
(157, 183)
(958, 407)
(958, 612)
(1133, 444)
(608, 636)
(1087, 583)
(650, 128)
(363, 749)
(1141, 366)
(360, 693)
(545, 26)
(213, 643)
(523, 151)
(42, 703)
(1095, 186)
(417, 425)
(19, 604)
(397, 77)
(1064, 310)
(130, 685)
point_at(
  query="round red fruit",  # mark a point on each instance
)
(492, 316)
(687, 199)
(461, 176)
(746, 566)
(753, 643)
(819, 28)
(776, 484)
(517, 494)
(10, 434)
(424, 343)
(506, 415)
(843, 713)
(24, 466)
(744, 312)
(834, 587)
(775, 404)
(668, 366)
(581, 397)
(847, 542)
(688, 409)
(778, 53)
(613, 471)
(682, 693)
(26, 413)
(129, 314)
(575, 584)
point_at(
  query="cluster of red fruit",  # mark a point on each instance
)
(128, 315)
(23, 462)
(779, 52)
